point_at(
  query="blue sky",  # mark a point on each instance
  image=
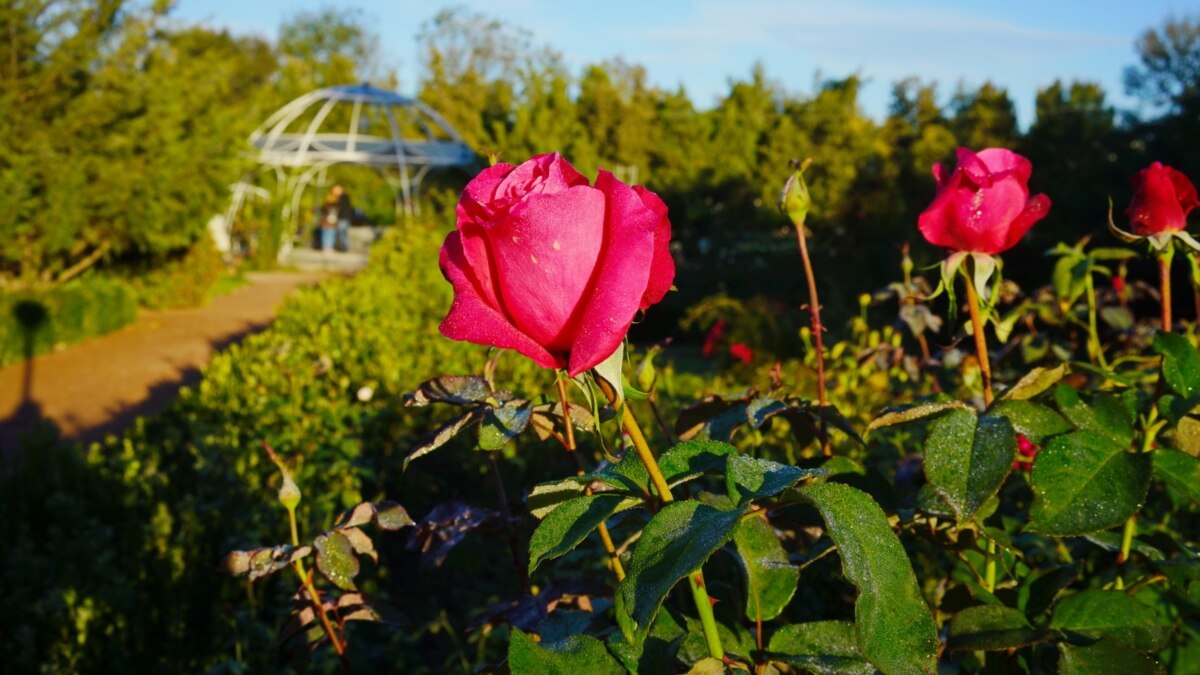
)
(1018, 44)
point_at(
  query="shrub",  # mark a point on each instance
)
(183, 280)
(35, 322)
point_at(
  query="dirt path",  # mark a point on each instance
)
(101, 385)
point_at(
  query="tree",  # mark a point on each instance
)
(1168, 74)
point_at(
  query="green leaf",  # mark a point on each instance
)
(676, 542)
(770, 578)
(708, 666)
(1105, 657)
(1107, 416)
(568, 525)
(1032, 420)
(1095, 614)
(1084, 482)
(912, 414)
(391, 516)
(442, 435)
(1180, 365)
(1035, 382)
(544, 498)
(577, 655)
(968, 458)
(823, 647)
(679, 464)
(1179, 470)
(502, 424)
(895, 629)
(1040, 588)
(992, 628)
(689, 459)
(336, 559)
(657, 654)
(452, 389)
(748, 478)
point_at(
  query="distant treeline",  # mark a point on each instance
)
(121, 129)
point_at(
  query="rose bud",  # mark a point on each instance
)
(983, 205)
(550, 266)
(1161, 201)
(1027, 450)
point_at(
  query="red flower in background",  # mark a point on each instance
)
(983, 206)
(1162, 199)
(1026, 451)
(741, 352)
(548, 265)
(713, 338)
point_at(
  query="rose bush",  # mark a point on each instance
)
(983, 205)
(548, 265)
(1162, 199)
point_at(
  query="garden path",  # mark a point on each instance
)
(101, 385)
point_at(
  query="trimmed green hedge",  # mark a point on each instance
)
(38, 321)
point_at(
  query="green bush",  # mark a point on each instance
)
(35, 322)
(114, 568)
(182, 281)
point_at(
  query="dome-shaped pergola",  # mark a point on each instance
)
(400, 137)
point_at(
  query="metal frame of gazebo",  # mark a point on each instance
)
(300, 156)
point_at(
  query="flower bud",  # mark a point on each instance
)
(795, 200)
(864, 300)
(289, 492)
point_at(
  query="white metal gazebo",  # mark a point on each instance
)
(398, 136)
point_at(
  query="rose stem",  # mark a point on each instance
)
(1130, 530)
(1164, 276)
(605, 537)
(1095, 350)
(315, 596)
(513, 548)
(814, 308)
(985, 368)
(696, 578)
(1194, 261)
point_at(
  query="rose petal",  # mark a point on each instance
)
(543, 174)
(972, 167)
(662, 267)
(471, 319)
(1002, 162)
(477, 203)
(621, 278)
(1036, 209)
(545, 254)
(1185, 192)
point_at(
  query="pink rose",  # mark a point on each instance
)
(983, 206)
(545, 264)
(1161, 201)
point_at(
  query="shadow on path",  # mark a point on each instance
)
(99, 387)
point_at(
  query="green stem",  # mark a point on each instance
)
(315, 596)
(1095, 350)
(1126, 542)
(696, 578)
(1164, 280)
(704, 607)
(610, 549)
(985, 368)
(814, 308)
(981, 352)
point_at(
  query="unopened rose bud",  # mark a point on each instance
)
(795, 200)
(289, 492)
